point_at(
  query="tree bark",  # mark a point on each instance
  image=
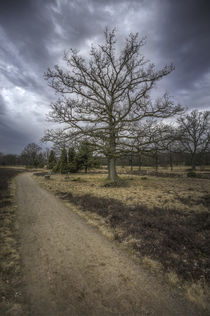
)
(156, 161)
(112, 172)
(140, 162)
(193, 162)
(108, 167)
(131, 164)
(171, 160)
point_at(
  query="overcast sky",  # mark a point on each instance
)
(35, 33)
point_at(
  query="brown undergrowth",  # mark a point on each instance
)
(10, 277)
(177, 240)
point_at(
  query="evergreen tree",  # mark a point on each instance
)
(72, 160)
(63, 163)
(52, 160)
(85, 158)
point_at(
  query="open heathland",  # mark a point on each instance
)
(166, 221)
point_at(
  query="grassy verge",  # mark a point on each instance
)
(166, 222)
(10, 276)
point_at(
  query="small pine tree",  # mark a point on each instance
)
(63, 163)
(71, 155)
(51, 160)
(85, 158)
(72, 160)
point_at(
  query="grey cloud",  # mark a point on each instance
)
(34, 35)
(25, 30)
(2, 107)
(18, 78)
(185, 38)
(11, 139)
(27, 24)
(82, 20)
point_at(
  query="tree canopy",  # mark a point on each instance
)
(32, 155)
(194, 134)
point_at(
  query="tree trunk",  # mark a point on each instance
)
(156, 161)
(108, 167)
(112, 173)
(140, 162)
(193, 162)
(171, 160)
(202, 161)
(131, 164)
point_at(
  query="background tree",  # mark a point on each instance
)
(85, 156)
(193, 133)
(73, 165)
(163, 144)
(32, 156)
(152, 139)
(63, 163)
(9, 159)
(52, 161)
(100, 98)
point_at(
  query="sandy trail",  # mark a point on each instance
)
(69, 268)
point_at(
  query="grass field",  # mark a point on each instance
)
(10, 275)
(165, 221)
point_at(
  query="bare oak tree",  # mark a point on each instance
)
(101, 97)
(194, 134)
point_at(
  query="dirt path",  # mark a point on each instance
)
(69, 268)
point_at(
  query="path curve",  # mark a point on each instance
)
(69, 268)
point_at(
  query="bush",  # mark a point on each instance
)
(72, 167)
(191, 174)
(76, 179)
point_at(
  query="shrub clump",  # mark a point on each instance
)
(116, 183)
(191, 174)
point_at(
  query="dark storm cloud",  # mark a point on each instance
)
(18, 78)
(186, 39)
(78, 21)
(27, 25)
(25, 28)
(35, 33)
(10, 134)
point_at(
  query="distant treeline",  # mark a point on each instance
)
(164, 159)
(72, 160)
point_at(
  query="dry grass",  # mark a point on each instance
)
(196, 293)
(173, 278)
(185, 194)
(10, 276)
(95, 220)
(154, 265)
